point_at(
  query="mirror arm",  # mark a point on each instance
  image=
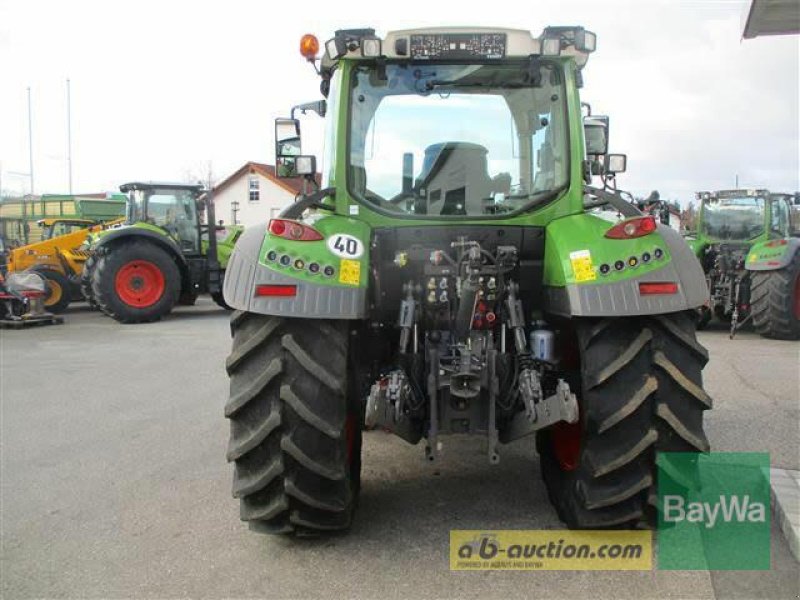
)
(293, 211)
(615, 200)
(319, 107)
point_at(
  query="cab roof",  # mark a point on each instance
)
(150, 185)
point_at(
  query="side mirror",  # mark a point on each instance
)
(595, 130)
(615, 163)
(287, 147)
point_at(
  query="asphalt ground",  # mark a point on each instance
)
(113, 481)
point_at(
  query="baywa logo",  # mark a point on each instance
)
(714, 511)
(728, 509)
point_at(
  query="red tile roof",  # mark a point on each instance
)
(290, 184)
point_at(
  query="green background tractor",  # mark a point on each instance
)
(163, 255)
(752, 263)
(447, 279)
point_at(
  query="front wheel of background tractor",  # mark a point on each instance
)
(59, 290)
(640, 393)
(136, 282)
(775, 301)
(86, 281)
(295, 435)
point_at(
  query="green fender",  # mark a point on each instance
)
(772, 255)
(328, 277)
(588, 275)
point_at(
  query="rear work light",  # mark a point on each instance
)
(280, 291)
(653, 288)
(292, 230)
(632, 228)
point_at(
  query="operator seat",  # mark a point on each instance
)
(456, 179)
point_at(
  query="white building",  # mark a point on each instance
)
(253, 194)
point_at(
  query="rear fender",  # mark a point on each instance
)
(772, 255)
(339, 295)
(581, 278)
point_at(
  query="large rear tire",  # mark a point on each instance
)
(295, 436)
(775, 301)
(59, 290)
(640, 393)
(136, 282)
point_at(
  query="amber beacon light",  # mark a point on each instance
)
(309, 46)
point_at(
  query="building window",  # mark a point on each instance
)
(254, 189)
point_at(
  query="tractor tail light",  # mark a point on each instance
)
(632, 228)
(292, 230)
(281, 291)
(654, 288)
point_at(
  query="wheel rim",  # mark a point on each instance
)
(797, 297)
(567, 445)
(55, 292)
(139, 283)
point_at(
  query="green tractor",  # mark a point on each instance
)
(448, 279)
(161, 256)
(752, 263)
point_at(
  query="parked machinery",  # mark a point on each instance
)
(166, 252)
(748, 247)
(59, 258)
(447, 279)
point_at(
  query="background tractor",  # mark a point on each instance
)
(448, 279)
(752, 263)
(162, 255)
(59, 258)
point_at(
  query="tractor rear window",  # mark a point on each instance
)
(733, 218)
(458, 140)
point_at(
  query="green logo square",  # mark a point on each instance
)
(713, 511)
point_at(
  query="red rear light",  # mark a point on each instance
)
(651, 288)
(292, 230)
(775, 243)
(632, 228)
(283, 291)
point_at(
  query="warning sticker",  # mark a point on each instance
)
(349, 271)
(582, 265)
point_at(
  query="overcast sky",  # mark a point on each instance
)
(160, 88)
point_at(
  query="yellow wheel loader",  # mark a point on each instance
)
(58, 258)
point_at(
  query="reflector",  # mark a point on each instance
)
(651, 288)
(282, 291)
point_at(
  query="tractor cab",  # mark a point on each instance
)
(52, 228)
(733, 216)
(170, 207)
